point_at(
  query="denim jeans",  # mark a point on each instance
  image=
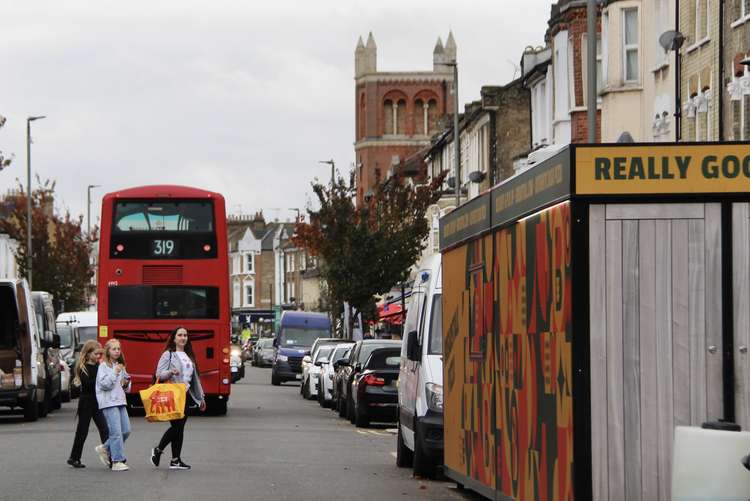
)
(119, 431)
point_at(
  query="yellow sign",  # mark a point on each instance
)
(102, 331)
(683, 168)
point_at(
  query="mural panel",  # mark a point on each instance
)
(508, 397)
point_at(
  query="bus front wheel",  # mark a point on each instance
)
(216, 406)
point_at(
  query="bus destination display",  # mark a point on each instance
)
(164, 248)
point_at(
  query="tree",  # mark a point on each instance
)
(366, 250)
(60, 250)
(4, 160)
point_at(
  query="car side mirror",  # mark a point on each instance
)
(318, 364)
(340, 363)
(413, 349)
(56, 341)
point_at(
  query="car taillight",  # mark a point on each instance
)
(373, 380)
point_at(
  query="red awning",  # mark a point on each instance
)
(390, 313)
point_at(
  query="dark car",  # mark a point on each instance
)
(352, 366)
(263, 353)
(374, 390)
(339, 372)
(298, 332)
(50, 341)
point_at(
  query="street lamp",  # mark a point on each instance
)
(456, 132)
(88, 207)
(333, 166)
(28, 196)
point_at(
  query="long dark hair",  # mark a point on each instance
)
(172, 346)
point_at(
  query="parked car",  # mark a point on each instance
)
(80, 326)
(236, 365)
(327, 371)
(375, 389)
(22, 382)
(45, 321)
(353, 366)
(298, 331)
(307, 360)
(420, 390)
(263, 353)
(311, 371)
(66, 378)
(339, 370)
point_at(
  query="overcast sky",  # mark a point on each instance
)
(240, 97)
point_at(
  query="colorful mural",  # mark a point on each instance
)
(508, 394)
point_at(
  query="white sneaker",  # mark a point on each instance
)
(119, 466)
(103, 453)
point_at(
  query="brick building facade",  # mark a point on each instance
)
(396, 112)
(699, 75)
(736, 82)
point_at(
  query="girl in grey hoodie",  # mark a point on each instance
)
(112, 381)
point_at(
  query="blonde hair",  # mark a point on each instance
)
(120, 360)
(88, 347)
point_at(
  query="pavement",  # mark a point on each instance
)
(272, 444)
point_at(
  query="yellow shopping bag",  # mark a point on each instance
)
(164, 401)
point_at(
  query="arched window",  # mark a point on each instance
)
(420, 117)
(399, 117)
(389, 121)
(432, 116)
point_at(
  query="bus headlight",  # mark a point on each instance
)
(434, 393)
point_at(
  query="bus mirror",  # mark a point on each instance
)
(413, 350)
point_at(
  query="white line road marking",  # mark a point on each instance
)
(361, 432)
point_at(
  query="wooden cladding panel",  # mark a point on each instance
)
(650, 324)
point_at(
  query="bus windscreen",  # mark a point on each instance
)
(157, 216)
(161, 302)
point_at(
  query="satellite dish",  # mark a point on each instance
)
(625, 137)
(671, 40)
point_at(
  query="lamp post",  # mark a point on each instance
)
(28, 197)
(88, 207)
(456, 133)
(333, 166)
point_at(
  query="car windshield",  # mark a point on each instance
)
(367, 349)
(323, 352)
(340, 353)
(86, 334)
(295, 336)
(65, 331)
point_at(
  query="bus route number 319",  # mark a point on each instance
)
(163, 248)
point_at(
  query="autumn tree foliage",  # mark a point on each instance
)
(60, 249)
(366, 250)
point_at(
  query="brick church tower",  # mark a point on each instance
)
(396, 111)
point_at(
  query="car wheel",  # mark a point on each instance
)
(216, 406)
(321, 397)
(31, 409)
(341, 407)
(306, 390)
(45, 403)
(404, 456)
(275, 379)
(360, 418)
(350, 410)
(423, 465)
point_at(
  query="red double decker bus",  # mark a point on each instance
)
(163, 263)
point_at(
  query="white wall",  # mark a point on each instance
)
(8, 265)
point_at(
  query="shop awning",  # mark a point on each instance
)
(390, 313)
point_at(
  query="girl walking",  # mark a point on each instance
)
(84, 375)
(177, 365)
(112, 380)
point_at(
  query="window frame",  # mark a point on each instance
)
(630, 47)
(249, 295)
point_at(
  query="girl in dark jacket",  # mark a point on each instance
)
(88, 409)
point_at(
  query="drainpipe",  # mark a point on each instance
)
(677, 80)
(591, 69)
(720, 90)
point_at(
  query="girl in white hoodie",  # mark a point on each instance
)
(112, 381)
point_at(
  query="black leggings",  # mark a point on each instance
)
(87, 410)
(174, 435)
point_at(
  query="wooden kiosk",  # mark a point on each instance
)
(591, 304)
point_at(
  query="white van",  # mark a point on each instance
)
(22, 369)
(75, 328)
(420, 381)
